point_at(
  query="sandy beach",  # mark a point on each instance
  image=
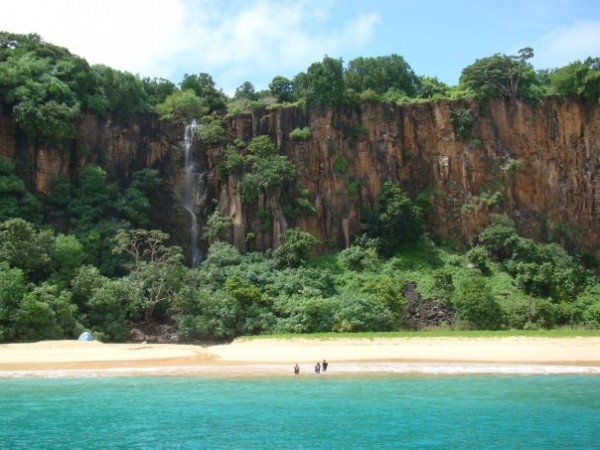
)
(269, 356)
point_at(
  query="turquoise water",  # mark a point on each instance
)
(492, 412)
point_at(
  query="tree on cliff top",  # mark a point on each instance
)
(323, 82)
(282, 88)
(12, 44)
(500, 76)
(578, 79)
(381, 74)
(182, 105)
(204, 87)
(37, 84)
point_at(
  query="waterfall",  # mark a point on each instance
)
(190, 192)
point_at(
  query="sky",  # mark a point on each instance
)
(254, 40)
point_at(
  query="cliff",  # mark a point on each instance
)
(537, 163)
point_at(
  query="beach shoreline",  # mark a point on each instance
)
(348, 357)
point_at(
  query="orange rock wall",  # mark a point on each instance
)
(553, 149)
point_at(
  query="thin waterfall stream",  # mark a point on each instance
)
(190, 192)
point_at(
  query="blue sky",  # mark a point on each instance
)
(254, 40)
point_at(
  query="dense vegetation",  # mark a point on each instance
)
(83, 257)
(45, 88)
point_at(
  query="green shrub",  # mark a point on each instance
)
(211, 134)
(512, 165)
(476, 305)
(340, 165)
(478, 256)
(462, 119)
(353, 189)
(295, 247)
(354, 132)
(300, 134)
(358, 258)
(361, 313)
(369, 95)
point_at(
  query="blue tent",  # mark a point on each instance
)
(86, 336)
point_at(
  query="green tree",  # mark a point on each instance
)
(123, 91)
(500, 76)
(221, 255)
(295, 247)
(87, 279)
(47, 312)
(246, 91)
(211, 133)
(66, 256)
(323, 82)
(282, 88)
(15, 45)
(359, 258)
(216, 227)
(303, 313)
(431, 87)
(363, 312)
(95, 210)
(380, 74)
(41, 85)
(135, 205)
(156, 269)
(24, 247)
(578, 79)
(12, 289)
(499, 238)
(158, 89)
(209, 315)
(93, 199)
(479, 258)
(476, 306)
(106, 311)
(397, 220)
(204, 87)
(15, 199)
(268, 171)
(182, 106)
(102, 303)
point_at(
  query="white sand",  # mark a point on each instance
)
(268, 355)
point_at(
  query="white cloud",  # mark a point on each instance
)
(133, 35)
(566, 44)
(232, 40)
(269, 37)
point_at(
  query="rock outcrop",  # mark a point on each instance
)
(537, 163)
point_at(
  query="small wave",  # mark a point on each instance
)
(467, 368)
(373, 368)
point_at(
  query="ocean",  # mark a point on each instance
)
(306, 412)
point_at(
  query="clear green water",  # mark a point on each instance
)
(462, 412)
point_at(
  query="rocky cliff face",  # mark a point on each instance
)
(119, 149)
(539, 164)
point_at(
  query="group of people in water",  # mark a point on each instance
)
(318, 367)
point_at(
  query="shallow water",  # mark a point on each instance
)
(550, 411)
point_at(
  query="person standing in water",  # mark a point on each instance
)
(296, 370)
(318, 368)
(324, 365)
